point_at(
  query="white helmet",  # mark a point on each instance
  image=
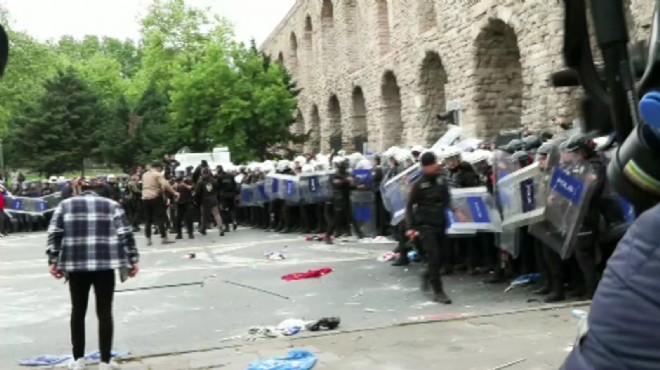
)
(111, 177)
(477, 156)
(417, 148)
(363, 164)
(450, 152)
(53, 179)
(308, 168)
(301, 160)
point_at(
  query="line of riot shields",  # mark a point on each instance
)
(551, 198)
(32, 206)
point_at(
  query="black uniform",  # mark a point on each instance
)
(339, 213)
(207, 192)
(185, 208)
(228, 192)
(426, 212)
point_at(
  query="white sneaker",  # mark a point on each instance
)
(77, 365)
(111, 366)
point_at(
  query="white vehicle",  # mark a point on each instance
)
(219, 157)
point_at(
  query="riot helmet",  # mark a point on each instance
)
(513, 146)
(581, 145)
(521, 157)
(531, 143)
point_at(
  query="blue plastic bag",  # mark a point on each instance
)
(295, 360)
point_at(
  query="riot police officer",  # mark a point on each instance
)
(228, 193)
(583, 148)
(339, 212)
(426, 216)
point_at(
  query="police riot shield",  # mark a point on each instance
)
(274, 186)
(474, 211)
(397, 191)
(247, 195)
(569, 193)
(509, 240)
(522, 196)
(315, 187)
(260, 193)
(363, 202)
(291, 189)
(449, 138)
(32, 206)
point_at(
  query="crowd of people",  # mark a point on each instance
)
(165, 199)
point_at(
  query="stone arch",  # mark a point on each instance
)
(359, 119)
(327, 14)
(432, 81)
(499, 79)
(309, 30)
(314, 130)
(392, 129)
(383, 26)
(351, 24)
(293, 43)
(280, 58)
(334, 123)
(298, 128)
(426, 15)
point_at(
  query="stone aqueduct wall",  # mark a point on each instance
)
(380, 70)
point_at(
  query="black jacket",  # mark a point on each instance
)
(207, 191)
(463, 176)
(428, 203)
(227, 184)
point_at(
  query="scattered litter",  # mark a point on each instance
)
(295, 360)
(370, 310)
(274, 256)
(192, 256)
(583, 323)
(290, 327)
(52, 360)
(376, 240)
(524, 280)
(508, 364)
(307, 275)
(388, 256)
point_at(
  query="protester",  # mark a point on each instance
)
(154, 188)
(87, 256)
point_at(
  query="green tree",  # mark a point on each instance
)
(30, 65)
(154, 135)
(235, 98)
(62, 130)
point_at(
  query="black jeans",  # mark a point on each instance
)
(104, 289)
(154, 212)
(184, 213)
(433, 241)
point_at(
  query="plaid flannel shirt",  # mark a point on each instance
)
(90, 233)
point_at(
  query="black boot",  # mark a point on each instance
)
(179, 236)
(441, 297)
(543, 290)
(556, 295)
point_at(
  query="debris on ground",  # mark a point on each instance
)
(307, 275)
(388, 256)
(290, 327)
(53, 360)
(524, 280)
(274, 256)
(376, 240)
(295, 360)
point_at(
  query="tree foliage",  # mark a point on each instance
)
(187, 83)
(61, 131)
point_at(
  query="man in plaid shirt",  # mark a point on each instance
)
(88, 238)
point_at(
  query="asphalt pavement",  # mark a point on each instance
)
(183, 304)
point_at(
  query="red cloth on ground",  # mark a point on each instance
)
(307, 275)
